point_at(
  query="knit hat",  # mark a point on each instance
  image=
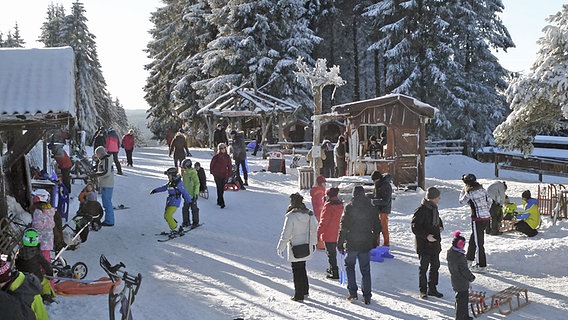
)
(432, 193)
(296, 200)
(526, 194)
(91, 196)
(320, 180)
(332, 192)
(459, 241)
(358, 191)
(100, 151)
(5, 271)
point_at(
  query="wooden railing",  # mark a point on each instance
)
(444, 147)
(540, 166)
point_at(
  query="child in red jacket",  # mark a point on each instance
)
(317, 193)
(328, 229)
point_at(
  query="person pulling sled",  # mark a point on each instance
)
(176, 191)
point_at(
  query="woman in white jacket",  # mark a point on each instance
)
(300, 227)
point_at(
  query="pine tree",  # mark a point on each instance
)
(51, 29)
(539, 100)
(13, 40)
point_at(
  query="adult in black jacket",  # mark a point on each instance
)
(382, 200)
(239, 151)
(219, 136)
(427, 226)
(359, 228)
(99, 139)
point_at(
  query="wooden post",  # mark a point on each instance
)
(496, 160)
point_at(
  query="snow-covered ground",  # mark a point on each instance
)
(229, 269)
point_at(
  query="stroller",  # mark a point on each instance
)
(235, 182)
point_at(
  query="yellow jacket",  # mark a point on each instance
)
(530, 206)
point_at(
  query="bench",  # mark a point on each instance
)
(504, 299)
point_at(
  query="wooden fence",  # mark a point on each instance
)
(540, 166)
(444, 147)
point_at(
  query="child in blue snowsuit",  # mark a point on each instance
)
(175, 191)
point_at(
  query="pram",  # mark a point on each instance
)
(235, 182)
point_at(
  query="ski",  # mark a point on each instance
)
(191, 227)
(172, 235)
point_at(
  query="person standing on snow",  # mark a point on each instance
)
(460, 275)
(480, 203)
(42, 221)
(258, 140)
(358, 232)
(427, 228)
(496, 191)
(176, 191)
(179, 148)
(382, 200)
(239, 152)
(202, 177)
(191, 184)
(339, 152)
(328, 229)
(63, 162)
(128, 145)
(317, 193)
(99, 139)
(106, 184)
(26, 288)
(221, 169)
(112, 147)
(219, 136)
(300, 227)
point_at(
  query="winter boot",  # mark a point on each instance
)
(432, 291)
(333, 273)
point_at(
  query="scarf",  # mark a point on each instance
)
(435, 214)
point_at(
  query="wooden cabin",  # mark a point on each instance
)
(401, 121)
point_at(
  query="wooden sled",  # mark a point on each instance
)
(72, 287)
(504, 299)
(477, 303)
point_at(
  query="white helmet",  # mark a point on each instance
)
(40, 195)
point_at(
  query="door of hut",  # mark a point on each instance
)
(406, 150)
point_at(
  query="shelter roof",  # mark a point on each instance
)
(415, 105)
(36, 84)
(247, 102)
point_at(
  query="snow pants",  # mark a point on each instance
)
(301, 286)
(384, 218)
(476, 247)
(169, 216)
(462, 301)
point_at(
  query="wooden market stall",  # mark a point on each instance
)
(401, 121)
(244, 103)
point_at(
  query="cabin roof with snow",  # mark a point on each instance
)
(246, 102)
(37, 84)
(416, 106)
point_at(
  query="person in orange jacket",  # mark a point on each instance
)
(317, 193)
(328, 229)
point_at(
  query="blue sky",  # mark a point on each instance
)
(121, 28)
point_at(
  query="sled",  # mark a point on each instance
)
(72, 287)
(502, 300)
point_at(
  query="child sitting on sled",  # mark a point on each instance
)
(175, 190)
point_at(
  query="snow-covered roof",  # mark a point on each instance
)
(246, 102)
(415, 105)
(36, 82)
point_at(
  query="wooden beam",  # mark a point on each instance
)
(21, 147)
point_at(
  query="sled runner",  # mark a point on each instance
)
(124, 294)
(502, 300)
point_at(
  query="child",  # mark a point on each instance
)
(175, 191)
(317, 193)
(461, 276)
(328, 229)
(42, 221)
(191, 184)
(30, 259)
(26, 288)
(530, 218)
(88, 188)
(202, 177)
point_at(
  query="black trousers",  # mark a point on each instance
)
(116, 162)
(242, 165)
(66, 178)
(431, 263)
(523, 227)
(477, 242)
(331, 250)
(301, 286)
(220, 183)
(128, 157)
(462, 301)
(194, 212)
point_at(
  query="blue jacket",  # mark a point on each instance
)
(175, 191)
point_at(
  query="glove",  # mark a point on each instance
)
(280, 253)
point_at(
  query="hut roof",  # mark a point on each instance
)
(36, 84)
(414, 105)
(242, 101)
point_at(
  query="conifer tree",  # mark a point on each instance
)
(51, 29)
(539, 100)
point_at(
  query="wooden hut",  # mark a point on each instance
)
(37, 93)
(401, 121)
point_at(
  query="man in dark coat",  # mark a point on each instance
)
(239, 151)
(359, 228)
(179, 148)
(258, 140)
(99, 139)
(427, 227)
(219, 136)
(382, 200)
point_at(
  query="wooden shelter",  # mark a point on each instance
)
(403, 120)
(37, 93)
(248, 103)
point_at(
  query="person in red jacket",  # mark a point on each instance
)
(63, 162)
(317, 193)
(128, 145)
(328, 229)
(112, 147)
(221, 168)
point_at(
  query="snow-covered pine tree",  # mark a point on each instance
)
(439, 53)
(539, 100)
(51, 29)
(13, 39)
(167, 51)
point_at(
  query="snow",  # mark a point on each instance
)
(228, 268)
(37, 80)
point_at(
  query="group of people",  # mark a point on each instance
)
(332, 162)
(110, 140)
